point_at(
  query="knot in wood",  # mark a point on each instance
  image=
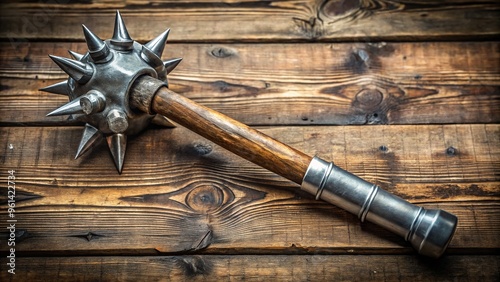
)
(369, 98)
(195, 265)
(222, 52)
(451, 151)
(205, 198)
(337, 8)
(202, 148)
(383, 148)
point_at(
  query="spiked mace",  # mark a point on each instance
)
(119, 87)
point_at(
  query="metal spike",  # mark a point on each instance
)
(94, 43)
(77, 70)
(158, 44)
(75, 55)
(171, 64)
(85, 57)
(162, 121)
(58, 88)
(120, 31)
(152, 59)
(121, 38)
(89, 137)
(117, 144)
(97, 48)
(72, 107)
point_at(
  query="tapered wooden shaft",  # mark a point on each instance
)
(234, 136)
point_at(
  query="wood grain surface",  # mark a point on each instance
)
(259, 268)
(290, 84)
(195, 195)
(252, 21)
(405, 94)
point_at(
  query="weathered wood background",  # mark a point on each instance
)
(403, 93)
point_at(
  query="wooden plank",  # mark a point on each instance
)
(256, 268)
(262, 21)
(299, 84)
(192, 194)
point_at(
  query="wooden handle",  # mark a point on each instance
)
(234, 136)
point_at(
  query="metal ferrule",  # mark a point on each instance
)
(429, 231)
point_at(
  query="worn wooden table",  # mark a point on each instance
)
(405, 94)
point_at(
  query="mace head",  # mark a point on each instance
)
(99, 83)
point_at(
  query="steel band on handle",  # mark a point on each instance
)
(428, 230)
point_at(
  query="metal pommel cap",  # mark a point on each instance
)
(429, 231)
(433, 232)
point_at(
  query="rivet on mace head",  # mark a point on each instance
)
(117, 121)
(93, 102)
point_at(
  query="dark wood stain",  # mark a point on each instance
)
(449, 191)
(194, 265)
(222, 52)
(21, 196)
(89, 236)
(339, 7)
